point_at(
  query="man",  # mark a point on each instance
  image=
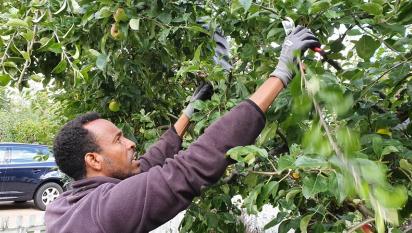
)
(113, 192)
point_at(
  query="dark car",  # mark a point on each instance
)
(23, 177)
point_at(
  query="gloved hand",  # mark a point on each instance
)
(300, 39)
(221, 56)
(203, 92)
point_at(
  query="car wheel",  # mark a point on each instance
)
(46, 193)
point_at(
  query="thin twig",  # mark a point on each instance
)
(352, 169)
(266, 8)
(381, 76)
(264, 173)
(7, 48)
(64, 52)
(29, 50)
(380, 39)
(321, 117)
(282, 136)
(359, 225)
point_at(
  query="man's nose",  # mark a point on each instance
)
(131, 144)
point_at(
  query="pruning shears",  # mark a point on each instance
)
(289, 25)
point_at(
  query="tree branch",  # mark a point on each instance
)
(380, 39)
(359, 225)
(364, 91)
(29, 49)
(3, 58)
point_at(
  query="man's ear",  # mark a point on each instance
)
(94, 161)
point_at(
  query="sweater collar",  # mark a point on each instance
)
(94, 181)
(81, 188)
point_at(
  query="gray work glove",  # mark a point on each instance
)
(203, 92)
(221, 56)
(300, 39)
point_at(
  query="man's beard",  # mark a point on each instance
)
(121, 175)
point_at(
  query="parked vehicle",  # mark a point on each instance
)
(23, 177)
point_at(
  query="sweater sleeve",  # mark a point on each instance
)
(145, 201)
(166, 147)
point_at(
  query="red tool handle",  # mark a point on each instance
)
(319, 50)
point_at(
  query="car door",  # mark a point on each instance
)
(24, 173)
(4, 162)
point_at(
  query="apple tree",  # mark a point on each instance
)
(335, 154)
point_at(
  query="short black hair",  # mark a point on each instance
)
(72, 143)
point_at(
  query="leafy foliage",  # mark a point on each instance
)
(29, 118)
(332, 154)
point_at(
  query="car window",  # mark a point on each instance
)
(48, 155)
(4, 155)
(27, 154)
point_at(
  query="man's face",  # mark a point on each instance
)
(117, 151)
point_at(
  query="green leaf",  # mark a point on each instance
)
(4, 79)
(196, 56)
(200, 126)
(279, 218)
(268, 190)
(17, 23)
(134, 24)
(104, 12)
(55, 48)
(251, 180)
(304, 222)
(302, 104)
(274, 31)
(345, 185)
(377, 145)
(391, 197)
(61, 9)
(314, 185)
(28, 35)
(25, 55)
(389, 149)
(366, 47)
(60, 67)
(314, 142)
(285, 162)
(165, 17)
(163, 35)
(404, 164)
(198, 29)
(307, 162)
(245, 4)
(101, 61)
(268, 133)
(250, 201)
(371, 171)
(292, 194)
(348, 140)
(235, 5)
(319, 6)
(247, 154)
(37, 77)
(372, 8)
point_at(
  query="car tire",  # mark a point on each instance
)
(46, 193)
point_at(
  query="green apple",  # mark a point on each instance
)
(114, 106)
(115, 32)
(120, 15)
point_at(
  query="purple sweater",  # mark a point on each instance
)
(167, 185)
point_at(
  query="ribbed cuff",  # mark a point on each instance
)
(257, 108)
